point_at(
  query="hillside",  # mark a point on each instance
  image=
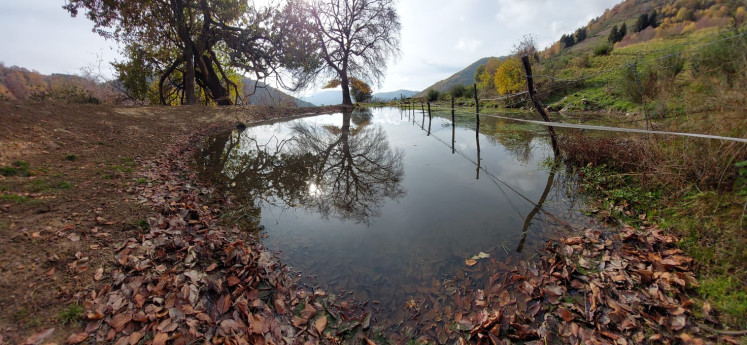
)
(268, 95)
(326, 97)
(388, 96)
(464, 77)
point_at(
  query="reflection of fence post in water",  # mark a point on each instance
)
(430, 118)
(537, 104)
(453, 129)
(477, 139)
(422, 121)
(537, 207)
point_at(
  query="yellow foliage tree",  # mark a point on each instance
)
(509, 77)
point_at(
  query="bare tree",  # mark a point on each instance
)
(355, 38)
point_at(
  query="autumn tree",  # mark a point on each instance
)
(192, 45)
(359, 89)
(509, 78)
(354, 38)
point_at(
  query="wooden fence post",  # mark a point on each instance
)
(477, 109)
(536, 102)
(452, 102)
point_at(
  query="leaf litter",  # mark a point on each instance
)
(191, 278)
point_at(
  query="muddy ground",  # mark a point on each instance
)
(64, 204)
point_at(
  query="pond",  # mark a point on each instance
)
(392, 206)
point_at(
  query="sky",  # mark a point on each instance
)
(439, 37)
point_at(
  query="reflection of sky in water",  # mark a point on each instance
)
(444, 215)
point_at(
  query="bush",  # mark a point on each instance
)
(603, 49)
(432, 95)
(457, 91)
(639, 85)
(672, 65)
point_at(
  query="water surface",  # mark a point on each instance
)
(387, 204)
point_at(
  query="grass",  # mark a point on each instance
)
(71, 157)
(18, 168)
(18, 199)
(72, 314)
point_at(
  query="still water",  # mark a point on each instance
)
(387, 204)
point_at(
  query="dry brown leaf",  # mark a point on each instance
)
(566, 315)
(76, 338)
(135, 337)
(160, 339)
(224, 303)
(308, 312)
(470, 262)
(99, 274)
(320, 324)
(119, 321)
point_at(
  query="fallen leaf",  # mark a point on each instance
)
(120, 320)
(480, 255)
(135, 337)
(77, 338)
(160, 339)
(40, 337)
(470, 262)
(320, 324)
(99, 274)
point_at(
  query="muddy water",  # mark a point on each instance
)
(387, 205)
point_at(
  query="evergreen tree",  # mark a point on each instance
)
(580, 35)
(652, 19)
(567, 40)
(621, 34)
(641, 23)
(613, 35)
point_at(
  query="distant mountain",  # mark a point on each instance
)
(388, 96)
(267, 95)
(329, 97)
(464, 77)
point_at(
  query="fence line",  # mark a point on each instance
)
(614, 129)
(550, 124)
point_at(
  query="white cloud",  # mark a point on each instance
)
(468, 45)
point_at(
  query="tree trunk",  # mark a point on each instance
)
(345, 83)
(189, 73)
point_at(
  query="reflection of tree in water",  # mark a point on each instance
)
(355, 169)
(344, 172)
(254, 170)
(516, 139)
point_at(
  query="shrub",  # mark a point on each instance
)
(672, 65)
(457, 91)
(639, 85)
(603, 49)
(432, 95)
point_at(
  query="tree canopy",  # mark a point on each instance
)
(193, 46)
(354, 38)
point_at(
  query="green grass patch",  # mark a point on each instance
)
(14, 198)
(72, 314)
(18, 168)
(141, 180)
(71, 157)
(122, 169)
